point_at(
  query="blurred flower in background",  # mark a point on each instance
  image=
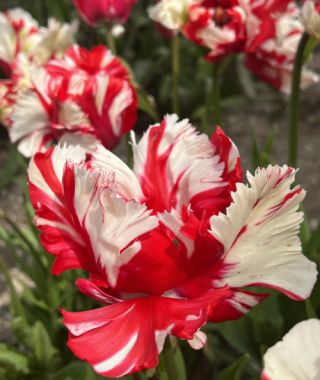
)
(311, 18)
(24, 45)
(86, 94)
(173, 243)
(273, 60)
(97, 12)
(268, 33)
(296, 356)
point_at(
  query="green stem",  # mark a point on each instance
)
(216, 95)
(295, 101)
(111, 41)
(129, 151)
(175, 48)
(310, 309)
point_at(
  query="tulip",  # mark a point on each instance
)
(95, 12)
(169, 245)
(310, 16)
(84, 97)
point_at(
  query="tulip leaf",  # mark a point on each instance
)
(73, 370)
(236, 369)
(13, 359)
(174, 362)
(44, 351)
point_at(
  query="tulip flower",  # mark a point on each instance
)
(273, 61)
(296, 356)
(171, 14)
(96, 12)
(310, 16)
(84, 97)
(19, 32)
(168, 246)
(24, 46)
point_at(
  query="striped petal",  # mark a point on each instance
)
(111, 106)
(259, 233)
(52, 191)
(175, 165)
(118, 335)
(126, 183)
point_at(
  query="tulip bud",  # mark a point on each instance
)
(171, 14)
(310, 16)
(95, 12)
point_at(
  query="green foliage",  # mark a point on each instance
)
(235, 370)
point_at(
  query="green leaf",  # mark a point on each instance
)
(44, 351)
(174, 362)
(14, 359)
(147, 104)
(74, 370)
(236, 369)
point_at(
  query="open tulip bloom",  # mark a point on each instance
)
(25, 45)
(85, 97)
(267, 32)
(169, 245)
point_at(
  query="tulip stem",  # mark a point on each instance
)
(295, 101)
(175, 48)
(110, 40)
(216, 94)
(129, 151)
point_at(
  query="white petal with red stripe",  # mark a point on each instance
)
(114, 227)
(174, 164)
(259, 233)
(118, 335)
(125, 182)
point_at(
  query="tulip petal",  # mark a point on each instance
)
(297, 355)
(259, 233)
(128, 336)
(175, 164)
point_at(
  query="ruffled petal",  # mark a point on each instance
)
(175, 164)
(259, 233)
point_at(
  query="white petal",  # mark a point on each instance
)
(297, 356)
(125, 182)
(192, 166)
(260, 235)
(113, 226)
(199, 340)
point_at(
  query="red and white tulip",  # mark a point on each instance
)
(84, 98)
(170, 244)
(273, 61)
(19, 33)
(297, 355)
